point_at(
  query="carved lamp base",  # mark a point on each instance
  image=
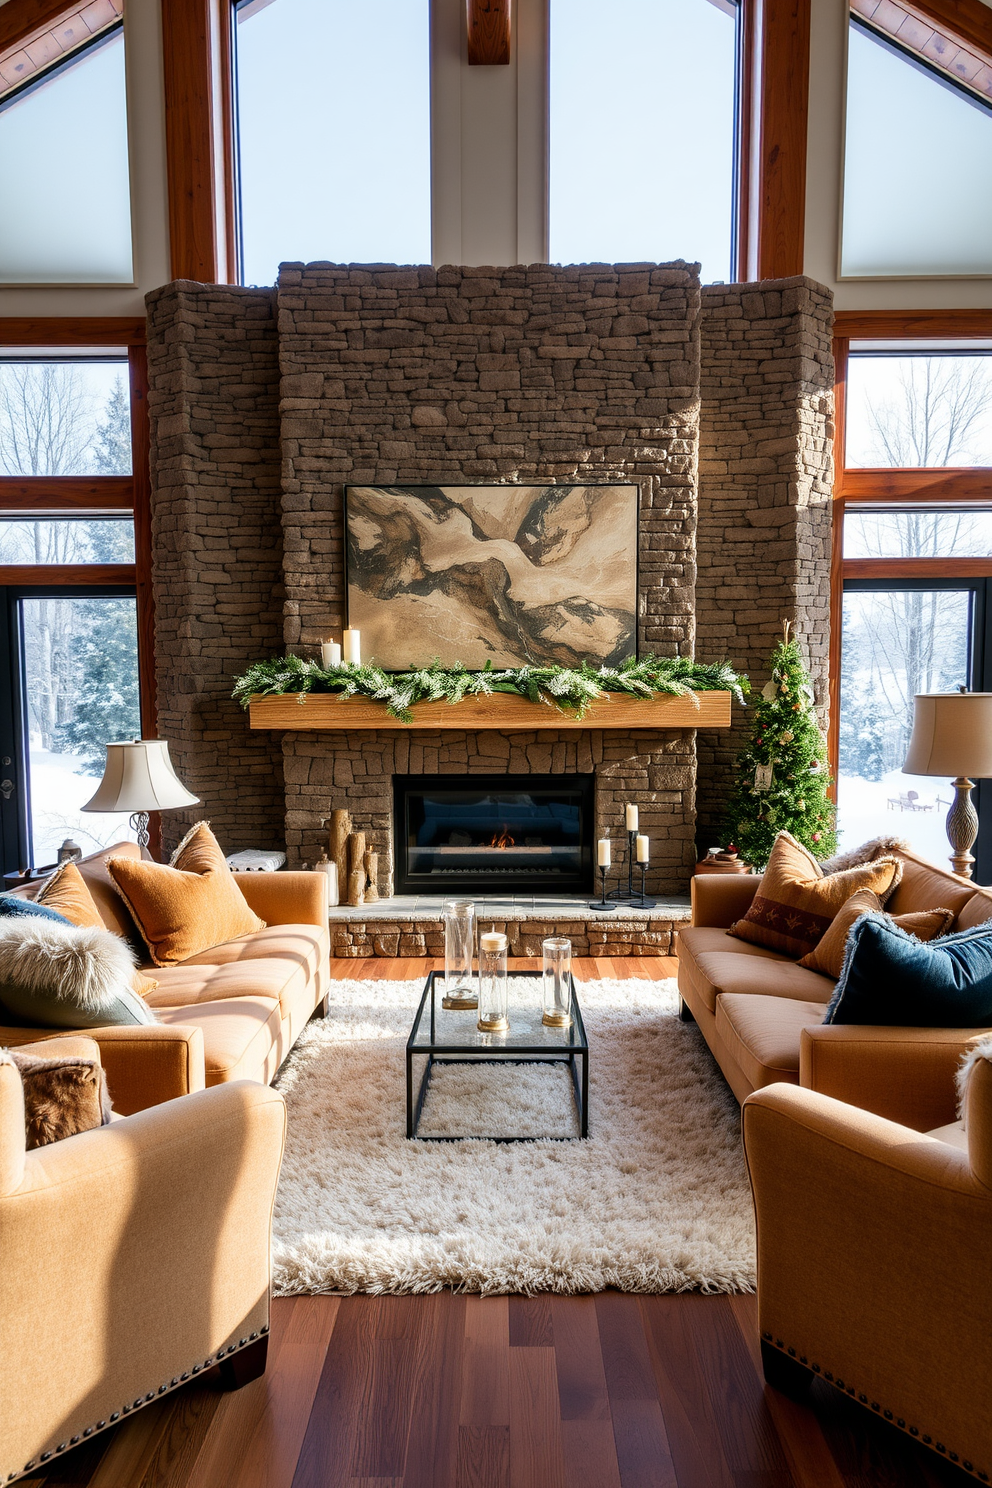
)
(962, 827)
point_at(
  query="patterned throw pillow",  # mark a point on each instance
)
(189, 906)
(797, 903)
(828, 956)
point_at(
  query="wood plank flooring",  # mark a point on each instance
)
(446, 1391)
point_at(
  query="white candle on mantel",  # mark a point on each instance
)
(493, 941)
(603, 854)
(631, 818)
(353, 646)
(642, 850)
(330, 653)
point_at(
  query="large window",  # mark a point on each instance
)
(643, 132)
(66, 215)
(913, 543)
(73, 611)
(917, 168)
(333, 128)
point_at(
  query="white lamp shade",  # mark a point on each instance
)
(138, 776)
(952, 735)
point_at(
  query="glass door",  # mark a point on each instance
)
(70, 684)
(900, 638)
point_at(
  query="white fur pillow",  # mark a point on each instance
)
(980, 1049)
(66, 976)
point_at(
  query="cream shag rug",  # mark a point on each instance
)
(656, 1199)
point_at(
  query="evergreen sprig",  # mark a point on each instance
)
(569, 689)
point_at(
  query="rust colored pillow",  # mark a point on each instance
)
(828, 956)
(189, 906)
(63, 1094)
(67, 892)
(797, 902)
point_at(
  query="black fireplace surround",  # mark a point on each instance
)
(512, 833)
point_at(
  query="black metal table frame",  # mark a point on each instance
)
(575, 1056)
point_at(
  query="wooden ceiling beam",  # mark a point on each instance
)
(488, 32)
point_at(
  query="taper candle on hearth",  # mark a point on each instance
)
(643, 850)
(631, 817)
(603, 857)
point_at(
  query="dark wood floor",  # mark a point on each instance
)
(605, 1391)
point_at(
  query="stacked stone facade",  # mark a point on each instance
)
(765, 480)
(217, 548)
(266, 403)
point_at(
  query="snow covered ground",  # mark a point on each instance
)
(863, 812)
(58, 789)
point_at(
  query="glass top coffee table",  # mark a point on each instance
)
(450, 1036)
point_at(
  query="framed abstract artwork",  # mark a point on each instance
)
(513, 575)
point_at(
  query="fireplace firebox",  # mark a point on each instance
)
(457, 833)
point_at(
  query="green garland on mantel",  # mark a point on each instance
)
(570, 689)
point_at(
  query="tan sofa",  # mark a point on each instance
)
(873, 1244)
(230, 1013)
(762, 1014)
(134, 1257)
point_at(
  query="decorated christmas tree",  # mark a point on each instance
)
(782, 777)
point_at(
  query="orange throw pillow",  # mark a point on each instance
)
(797, 902)
(188, 906)
(67, 892)
(828, 956)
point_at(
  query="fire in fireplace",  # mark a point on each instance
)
(493, 832)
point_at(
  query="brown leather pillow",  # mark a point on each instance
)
(828, 956)
(68, 893)
(189, 906)
(796, 903)
(64, 1094)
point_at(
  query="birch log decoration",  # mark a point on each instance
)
(372, 876)
(337, 840)
(356, 868)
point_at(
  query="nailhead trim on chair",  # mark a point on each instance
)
(141, 1400)
(913, 1431)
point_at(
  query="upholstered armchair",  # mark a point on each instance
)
(873, 1247)
(132, 1257)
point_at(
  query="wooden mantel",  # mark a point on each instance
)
(325, 711)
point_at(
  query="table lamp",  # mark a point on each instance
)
(138, 777)
(952, 737)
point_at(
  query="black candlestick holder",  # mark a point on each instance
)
(642, 901)
(627, 895)
(603, 903)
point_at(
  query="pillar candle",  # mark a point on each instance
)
(631, 818)
(353, 647)
(642, 849)
(603, 856)
(330, 653)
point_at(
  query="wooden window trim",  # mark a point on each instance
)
(49, 495)
(774, 104)
(944, 485)
(196, 55)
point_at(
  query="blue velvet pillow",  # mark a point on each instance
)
(16, 907)
(890, 978)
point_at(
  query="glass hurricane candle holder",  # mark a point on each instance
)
(460, 987)
(492, 983)
(557, 982)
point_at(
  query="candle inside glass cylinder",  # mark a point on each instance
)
(642, 850)
(603, 852)
(631, 818)
(330, 653)
(353, 647)
(492, 983)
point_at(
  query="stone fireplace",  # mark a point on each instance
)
(266, 404)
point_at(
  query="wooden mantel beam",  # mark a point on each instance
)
(488, 32)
